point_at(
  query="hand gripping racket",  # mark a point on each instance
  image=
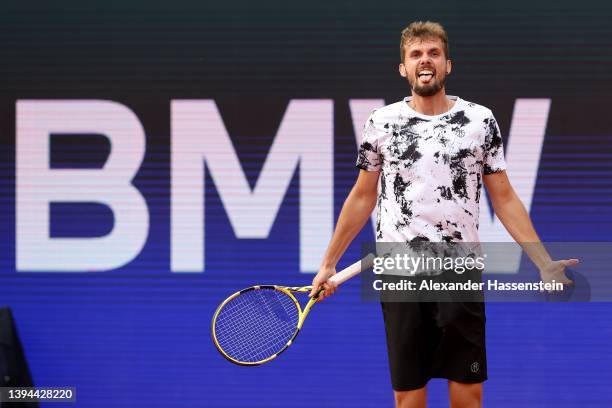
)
(256, 324)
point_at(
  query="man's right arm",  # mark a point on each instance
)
(355, 213)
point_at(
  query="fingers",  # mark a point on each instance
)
(325, 293)
(570, 262)
(559, 279)
(329, 288)
(566, 263)
(555, 273)
(315, 287)
(321, 286)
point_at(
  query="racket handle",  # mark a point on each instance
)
(354, 269)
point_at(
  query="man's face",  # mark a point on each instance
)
(425, 66)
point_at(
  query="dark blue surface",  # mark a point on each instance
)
(140, 336)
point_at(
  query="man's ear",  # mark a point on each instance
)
(402, 70)
(449, 66)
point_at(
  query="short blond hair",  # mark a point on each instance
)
(422, 31)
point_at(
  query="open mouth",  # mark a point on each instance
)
(426, 75)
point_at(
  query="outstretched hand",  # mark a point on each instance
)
(555, 271)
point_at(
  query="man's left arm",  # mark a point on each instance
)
(513, 215)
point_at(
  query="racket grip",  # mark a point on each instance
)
(354, 269)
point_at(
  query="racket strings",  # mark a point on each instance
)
(256, 324)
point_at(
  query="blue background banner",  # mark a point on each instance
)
(138, 334)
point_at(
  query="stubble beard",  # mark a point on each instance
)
(428, 89)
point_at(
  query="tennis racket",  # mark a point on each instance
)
(253, 326)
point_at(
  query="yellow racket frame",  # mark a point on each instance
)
(286, 290)
(338, 278)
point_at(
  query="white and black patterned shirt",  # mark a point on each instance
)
(431, 169)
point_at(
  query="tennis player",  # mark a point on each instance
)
(423, 161)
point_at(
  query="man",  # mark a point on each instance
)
(423, 161)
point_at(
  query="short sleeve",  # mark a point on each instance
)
(494, 160)
(368, 156)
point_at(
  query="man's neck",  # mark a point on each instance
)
(431, 105)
